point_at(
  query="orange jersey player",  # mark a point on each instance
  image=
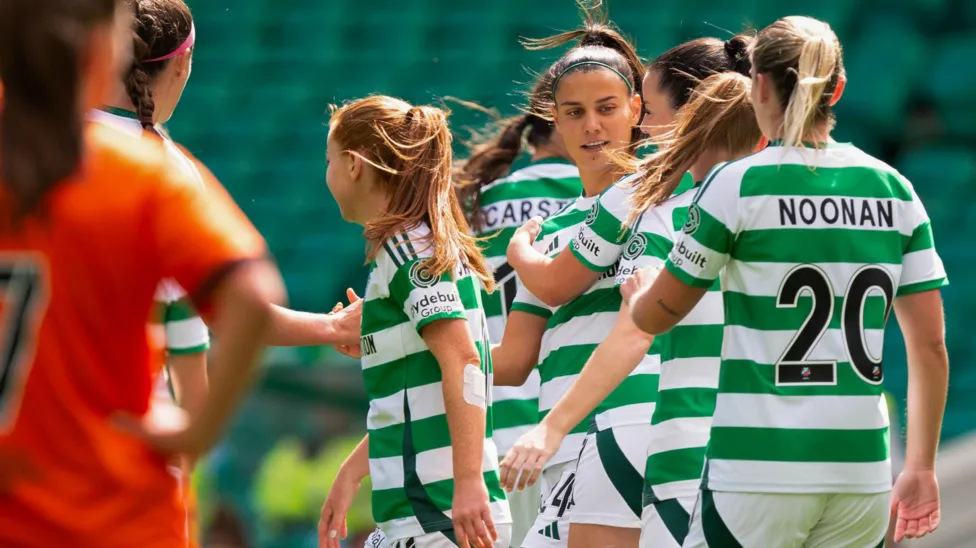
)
(91, 221)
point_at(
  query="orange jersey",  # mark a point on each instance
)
(77, 281)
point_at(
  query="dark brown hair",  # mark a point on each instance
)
(410, 148)
(161, 27)
(719, 116)
(804, 62)
(41, 124)
(492, 158)
(599, 42)
(683, 67)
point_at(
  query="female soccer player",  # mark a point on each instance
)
(717, 125)
(594, 100)
(424, 346)
(622, 429)
(496, 203)
(91, 222)
(163, 39)
(818, 240)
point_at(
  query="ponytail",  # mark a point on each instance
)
(410, 147)
(683, 67)
(816, 63)
(802, 59)
(488, 162)
(719, 116)
(42, 45)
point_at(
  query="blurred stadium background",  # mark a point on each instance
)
(255, 112)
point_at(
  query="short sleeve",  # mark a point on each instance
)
(922, 268)
(529, 303)
(600, 240)
(425, 298)
(200, 233)
(704, 243)
(186, 333)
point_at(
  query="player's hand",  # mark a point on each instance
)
(521, 242)
(351, 336)
(524, 462)
(332, 522)
(471, 514)
(915, 504)
(347, 319)
(637, 283)
(167, 429)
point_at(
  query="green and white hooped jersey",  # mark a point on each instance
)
(813, 260)
(690, 355)
(410, 457)
(574, 330)
(182, 329)
(540, 189)
(603, 241)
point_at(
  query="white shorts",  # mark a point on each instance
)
(524, 506)
(760, 520)
(445, 539)
(664, 523)
(610, 477)
(551, 527)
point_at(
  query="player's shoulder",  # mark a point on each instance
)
(405, 246)
(132, 163)
(535, 172)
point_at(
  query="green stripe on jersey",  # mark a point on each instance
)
(539, 189)
(574, 330)
(409, 440)
(689, 355)
(185, 332)
(812, 259)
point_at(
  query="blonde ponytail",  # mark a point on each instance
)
(803, 60)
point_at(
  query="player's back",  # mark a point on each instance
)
(816, 258)
(78, 279)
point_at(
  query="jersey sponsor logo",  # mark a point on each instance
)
(436, 303)
(612, 272)
(517, 212)
(367, 345)
(694, 220)
(624, 272)
(681, 253)
(635, 247)
(836, 211)
(591, 214)
(588, 244)
(420, 277)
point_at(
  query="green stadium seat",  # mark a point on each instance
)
(950, 83)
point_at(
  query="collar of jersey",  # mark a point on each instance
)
(121, 112)
(551, 160)
(828, 144)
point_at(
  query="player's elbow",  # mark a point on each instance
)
(559, 292)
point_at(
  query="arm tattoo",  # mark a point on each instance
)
(668, 309)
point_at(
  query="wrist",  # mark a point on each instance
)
(468, 478)
(919, 467)
(557, 424)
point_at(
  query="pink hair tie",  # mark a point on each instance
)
(183, 47)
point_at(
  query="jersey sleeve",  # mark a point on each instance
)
(199, 233)
(425, 298)
(922, 267)
(529, 303)
(185, 331)
(600, 240)
(702, 247)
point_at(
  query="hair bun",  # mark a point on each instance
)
(737, 51)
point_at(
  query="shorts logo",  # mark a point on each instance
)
(591, 215)
(694, 220)
(635, 247)
(420, 277)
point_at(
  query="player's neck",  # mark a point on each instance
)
(706, 162)
(595, 182)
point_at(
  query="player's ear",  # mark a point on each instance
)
(355, 167)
